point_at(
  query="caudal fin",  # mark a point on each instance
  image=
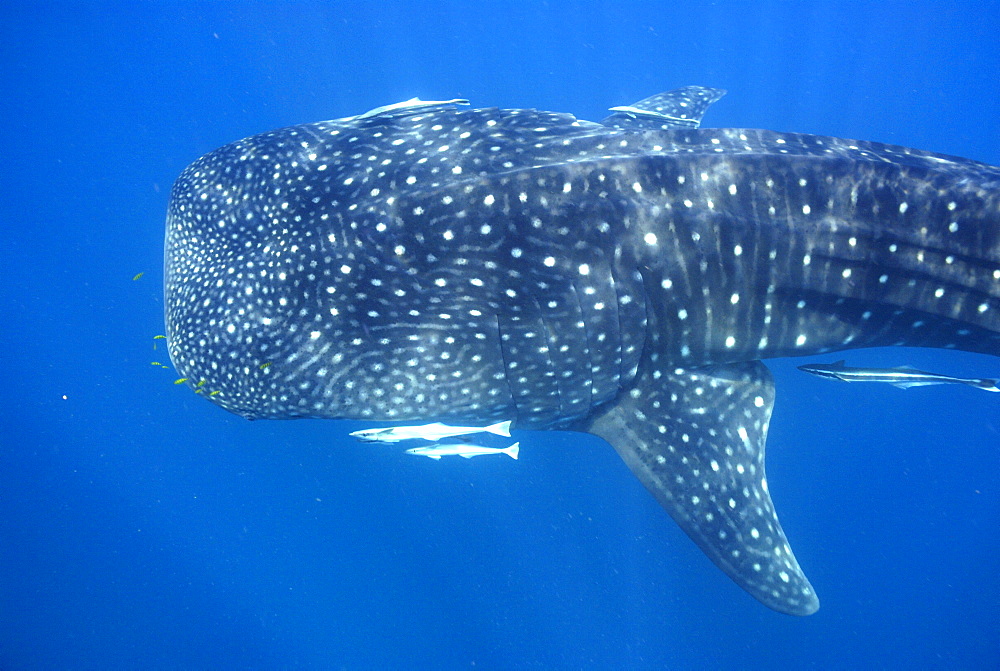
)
(989, 384)
(500, 428)
(512, 450)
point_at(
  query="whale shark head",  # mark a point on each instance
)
(626, 278)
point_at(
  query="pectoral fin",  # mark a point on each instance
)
(695, 438)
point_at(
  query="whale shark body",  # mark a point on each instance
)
(424, 262)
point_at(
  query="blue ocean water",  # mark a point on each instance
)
(141, 527)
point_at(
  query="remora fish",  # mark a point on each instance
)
(623, 278)
(463, 450)
(903, 377)
(431, 432)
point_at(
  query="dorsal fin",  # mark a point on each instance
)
(679, 108)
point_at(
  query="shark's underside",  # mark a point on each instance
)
(624, 278)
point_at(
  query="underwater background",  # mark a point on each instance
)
(142, 527)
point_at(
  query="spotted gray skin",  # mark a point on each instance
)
(622, 278)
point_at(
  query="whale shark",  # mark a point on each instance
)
(432, 262)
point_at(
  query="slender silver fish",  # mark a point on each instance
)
(431, 432)
(466, 450)
(903, 377)
(406, 107)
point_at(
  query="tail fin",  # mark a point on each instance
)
(500, 428)
(512, 450)
(989, 384)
